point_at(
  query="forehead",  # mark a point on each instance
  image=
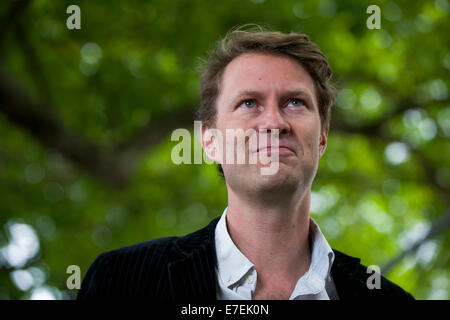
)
(260, 71)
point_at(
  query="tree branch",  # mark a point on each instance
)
(437, 227)
(18, 8)
(374, 128)
(157, 130)
(377, 130)
(46, 127)
(33, 64)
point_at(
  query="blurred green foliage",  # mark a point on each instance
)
(383, 181)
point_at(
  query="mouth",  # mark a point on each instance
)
(282, 150)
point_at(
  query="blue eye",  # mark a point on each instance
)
(296, 103)
(250, 104)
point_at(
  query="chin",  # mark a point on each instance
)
(282, 180)
(288, 179)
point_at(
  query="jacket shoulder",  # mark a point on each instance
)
(142, 270)
(354, 280)
(130, 271)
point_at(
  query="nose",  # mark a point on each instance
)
(271, 118)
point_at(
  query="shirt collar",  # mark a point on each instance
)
(232, 265)
(322, 257)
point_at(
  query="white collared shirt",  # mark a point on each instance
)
(236, 275)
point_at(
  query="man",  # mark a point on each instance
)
(265, 245)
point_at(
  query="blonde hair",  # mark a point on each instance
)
(254, 39)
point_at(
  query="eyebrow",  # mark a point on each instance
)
(304, 92)
(244, 93)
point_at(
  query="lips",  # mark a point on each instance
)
(268, 144)
(280, 149)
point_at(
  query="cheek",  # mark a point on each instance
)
(308, 138)
(228, 122)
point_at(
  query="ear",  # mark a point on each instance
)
(323, 140)
(209, 137)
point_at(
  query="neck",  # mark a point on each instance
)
(273, 236)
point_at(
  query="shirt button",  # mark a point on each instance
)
(250, 279)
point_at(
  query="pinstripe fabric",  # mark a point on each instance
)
(183, 268)
(162, 269)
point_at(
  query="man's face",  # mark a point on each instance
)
(266, 92)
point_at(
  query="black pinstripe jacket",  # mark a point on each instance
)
(183, 268)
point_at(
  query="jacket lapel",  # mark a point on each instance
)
(192, 271)
(347, 277)
(193, 266)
